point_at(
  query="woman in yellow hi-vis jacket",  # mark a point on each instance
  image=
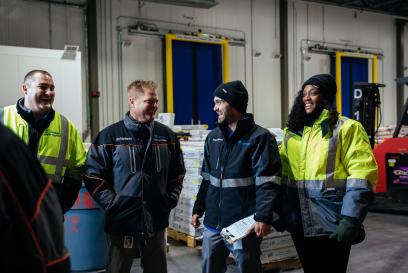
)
(328, 172)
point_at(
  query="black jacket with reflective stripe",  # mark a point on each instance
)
(137, 185)
(240, 175)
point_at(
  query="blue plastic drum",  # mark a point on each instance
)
(84, 235)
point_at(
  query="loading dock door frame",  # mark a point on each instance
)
(169, 62)
(374, 72)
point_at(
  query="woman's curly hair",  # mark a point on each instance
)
(298, 117)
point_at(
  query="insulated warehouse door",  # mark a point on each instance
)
(352, 70)
(349, 69)
(196, 70)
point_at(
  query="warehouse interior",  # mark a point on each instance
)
(95, 49)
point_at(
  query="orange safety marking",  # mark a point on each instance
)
(88, 201)
(53, 262)
(39, 201)
(74, 223)
(40, 253)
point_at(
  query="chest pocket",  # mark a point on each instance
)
(161, 155)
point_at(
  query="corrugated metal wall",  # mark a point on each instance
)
(44, 25)
(253, 19)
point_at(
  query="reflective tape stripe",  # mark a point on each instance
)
(315, 184)
(205, 175)
(232, 182)
(2, 115)
(50, 160)
(359, 183)
(334, 183)
(55, 178)
(60, 162)
(287, 136)
(332, 150)
(264, 179)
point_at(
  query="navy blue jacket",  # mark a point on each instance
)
(240, 175)
(135, 172)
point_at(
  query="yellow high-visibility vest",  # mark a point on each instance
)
(61, 151)
(331, 170)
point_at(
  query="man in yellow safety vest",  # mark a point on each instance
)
(50, 135)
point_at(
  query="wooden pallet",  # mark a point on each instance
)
(282, 265)
(180, 236)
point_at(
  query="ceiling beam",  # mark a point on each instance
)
(385, 3)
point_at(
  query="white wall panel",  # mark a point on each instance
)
(236, 61)
(231, 14)
(66, 75)
(27, 23)
(142, 58)
(346, 26)
(38, 24)
(266, 67)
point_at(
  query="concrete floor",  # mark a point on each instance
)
(383, 251)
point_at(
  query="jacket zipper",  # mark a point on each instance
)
(148, 147)
(221, 178)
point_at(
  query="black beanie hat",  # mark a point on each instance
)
(326, 84)
(234, 93)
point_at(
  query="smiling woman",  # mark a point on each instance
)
(311, 98)
(328, 172)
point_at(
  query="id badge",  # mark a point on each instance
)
(128, 242)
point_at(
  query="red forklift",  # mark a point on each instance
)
(392, 159)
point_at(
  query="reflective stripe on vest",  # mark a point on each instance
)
(329, 182)
(205, 175)
(331, 157)
(60, 162)
(265, 179)
(244, 182)
(2, 115)
(232, 182)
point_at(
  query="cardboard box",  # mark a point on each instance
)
(192, 152)
(193, 162)
(193, 172)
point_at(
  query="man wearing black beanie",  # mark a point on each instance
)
(240, 173)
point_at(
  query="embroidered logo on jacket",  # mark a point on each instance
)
(52, 133)
(160, 139)
(123, 138)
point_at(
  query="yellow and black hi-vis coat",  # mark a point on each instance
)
(326, 175)
(61, 151)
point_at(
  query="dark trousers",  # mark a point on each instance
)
(321, 254)
(123, 249)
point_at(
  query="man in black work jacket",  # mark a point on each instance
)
(240, 173)
(31, 224)
(135, 170)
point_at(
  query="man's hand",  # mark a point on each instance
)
(260, 229)
(195, 222)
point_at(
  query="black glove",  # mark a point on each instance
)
(348, 231)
